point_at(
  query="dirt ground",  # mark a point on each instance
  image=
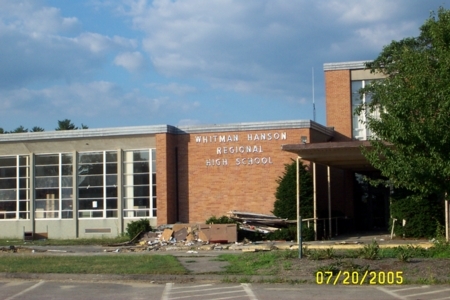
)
(420, 271)
(381, 271)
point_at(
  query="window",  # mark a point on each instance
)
(139, 168)
(97, 184)
(53, 186)
(360, 130)
(15, 187)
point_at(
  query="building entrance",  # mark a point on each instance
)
(371, 206)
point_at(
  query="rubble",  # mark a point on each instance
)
(183, 237)
(208, 237)
(262, 223)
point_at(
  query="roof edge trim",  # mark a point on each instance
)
(350, 65)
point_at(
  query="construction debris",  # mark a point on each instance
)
(259, 222)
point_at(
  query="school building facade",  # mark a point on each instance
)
(93, 182)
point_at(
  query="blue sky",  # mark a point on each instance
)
(114, 63)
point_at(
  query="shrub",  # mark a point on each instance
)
(134, 227)
(285, 205)
(220, 220)
(370, 251)
(290, 234)
(421, 213)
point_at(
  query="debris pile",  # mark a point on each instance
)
(183, 237)
(259, 222)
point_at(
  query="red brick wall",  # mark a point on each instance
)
(338, 103)
(226, 183)
(165, 178)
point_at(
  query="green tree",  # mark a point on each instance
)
(285, 205)
(66, 124)
(20, 129)
(406, 204)
(411, 139)
(37, 129)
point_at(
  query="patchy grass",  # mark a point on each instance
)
(104, 264)
(262, 263)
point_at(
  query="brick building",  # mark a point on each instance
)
(92, 182)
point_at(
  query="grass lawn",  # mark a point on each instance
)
(102, 264)
(65, 242)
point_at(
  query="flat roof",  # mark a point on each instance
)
(342, 155)
(155, 129)
(350, 65)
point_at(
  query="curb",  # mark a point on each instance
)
(151, 279)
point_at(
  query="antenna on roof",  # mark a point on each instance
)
(314, 102)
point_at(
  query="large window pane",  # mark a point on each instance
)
(141, 179)
(94, 175)
(111, 157)
(8, 172)
(42, 182)
(52, 170)
(111, 180)
(67, 193)
(14, 187)
(7, 194)
(67, 159)
(53, 174)
(47, 193)
(90, 169)
(8, 161)
(141, 167)
(51, 159)
(92, 192)
(8, 205)
(111, 192)
(91, 181)
(8, 183)
(138, 174)
(91, 158)
(66, 181)
(66, 170)
(111, 168)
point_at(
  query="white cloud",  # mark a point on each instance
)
(30, 17)
(261, 47)
(362, 11)
(132, 61)
(174, 88)
(95, 100)
(33, 48)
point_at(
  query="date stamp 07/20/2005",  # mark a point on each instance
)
(357, 278)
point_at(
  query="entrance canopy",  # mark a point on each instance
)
(343, 155)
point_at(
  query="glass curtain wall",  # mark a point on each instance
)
(97, 179)
(139, 179)
(97, 184)
(15, 187)
(360, 131)
(54, 186)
